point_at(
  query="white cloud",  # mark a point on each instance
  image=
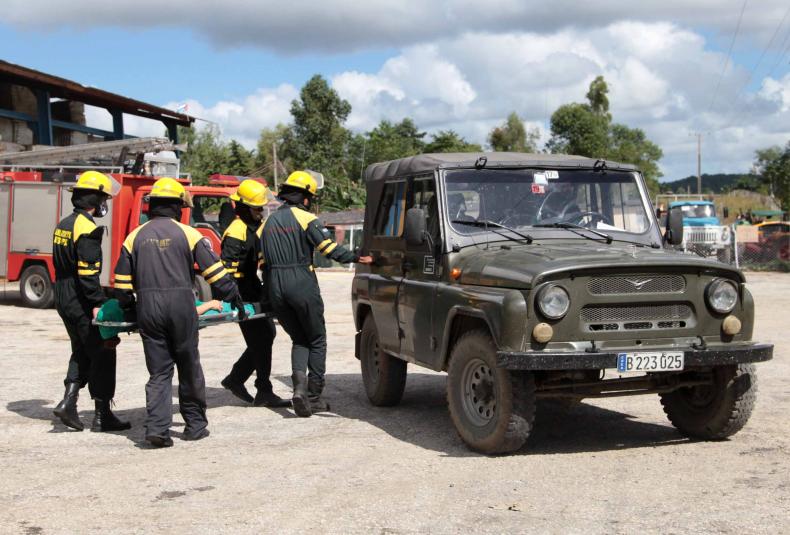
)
(661, 77)
(345, 25)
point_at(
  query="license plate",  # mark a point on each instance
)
(650, 361)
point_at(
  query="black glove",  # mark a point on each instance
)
(238, 304)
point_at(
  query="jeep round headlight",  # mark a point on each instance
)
(722, 295)
(553, 301)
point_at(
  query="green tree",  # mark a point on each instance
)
(264, 157)
(239, 160)
(513, 136)
(319, 141)
(773, 167)
(206, 154)
(387, 141)
(587, 130)
(450, 141)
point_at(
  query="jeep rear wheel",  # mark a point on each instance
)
(715, 411)
(493, 409)
(384, 376)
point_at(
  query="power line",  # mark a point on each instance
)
(729, 53)
(739, 113)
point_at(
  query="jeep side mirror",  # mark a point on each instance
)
(674, 229)
(659, 212)
(414, 229)
(726, 212)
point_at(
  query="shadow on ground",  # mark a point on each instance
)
(10, 297)
(422, 419)
(41, 409)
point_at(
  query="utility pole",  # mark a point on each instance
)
(698, 135)
(276, 165)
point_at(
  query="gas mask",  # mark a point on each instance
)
(101, 208)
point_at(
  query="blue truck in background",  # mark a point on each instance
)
(703, 232)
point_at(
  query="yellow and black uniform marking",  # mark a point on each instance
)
(77, 255)
(157, 262)
(290, 235)
(241, 253)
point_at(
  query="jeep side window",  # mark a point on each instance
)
(392, 211)
(425, 198)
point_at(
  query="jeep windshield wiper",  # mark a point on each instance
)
(486, 223)
(574, 226)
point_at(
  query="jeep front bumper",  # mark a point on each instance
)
(599, 360)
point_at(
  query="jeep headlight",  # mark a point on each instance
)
(553, 301)
(721, 295)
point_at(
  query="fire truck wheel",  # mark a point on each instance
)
(201, 289)
(35, 287)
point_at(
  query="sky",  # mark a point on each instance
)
(674, 68)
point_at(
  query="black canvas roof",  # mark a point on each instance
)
(425, 163)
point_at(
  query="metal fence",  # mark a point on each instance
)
(747, 247)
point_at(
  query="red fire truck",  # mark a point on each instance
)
(31, 205)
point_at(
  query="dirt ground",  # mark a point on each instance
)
(610, 466)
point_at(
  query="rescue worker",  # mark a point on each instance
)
(290, 236)
(77, 256)
(157, 262)
(241, 248)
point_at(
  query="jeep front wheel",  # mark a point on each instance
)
(493, 409)
(384, 376)
(715, 411)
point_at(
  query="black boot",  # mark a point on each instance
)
(266, 398)
(300, 400)
(237, 389)
(315, 387)
(105, 420)
(66, 410)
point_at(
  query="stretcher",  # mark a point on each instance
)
(112, 320)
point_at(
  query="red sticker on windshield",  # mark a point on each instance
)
(539, 189)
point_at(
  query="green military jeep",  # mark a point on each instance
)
(545, 276)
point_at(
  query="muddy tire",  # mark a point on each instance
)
(493, 409)
(384, 376)
(717, 411)
(35, 287)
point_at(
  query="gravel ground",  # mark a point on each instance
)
(606, 466)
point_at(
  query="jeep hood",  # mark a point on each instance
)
(522, 266)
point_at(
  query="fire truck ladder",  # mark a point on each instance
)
(116, 151)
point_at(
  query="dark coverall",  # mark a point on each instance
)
(289, 237)
(157, 262)
(77, 256)
(241, 252)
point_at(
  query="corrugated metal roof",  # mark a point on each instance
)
(70, 90)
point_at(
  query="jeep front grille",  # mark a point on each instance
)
(636, 284)
(635, 317)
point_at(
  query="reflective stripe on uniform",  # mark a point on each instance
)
(222, 272)
(323, 244)
(123, 277)
(209, 270)
(329, 249)
(124, 286)
(87, 272)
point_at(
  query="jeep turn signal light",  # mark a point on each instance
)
(731, 325)
(542, 333)
(455, 273)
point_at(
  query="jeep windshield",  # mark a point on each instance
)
(698, 210)
(547, 202)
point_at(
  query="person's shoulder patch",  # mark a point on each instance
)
(303, 217)
(82, 225)
(237, 230)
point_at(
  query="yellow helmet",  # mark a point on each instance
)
(302, 180)
(252, 193)
(96, 181)
(170, 188)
